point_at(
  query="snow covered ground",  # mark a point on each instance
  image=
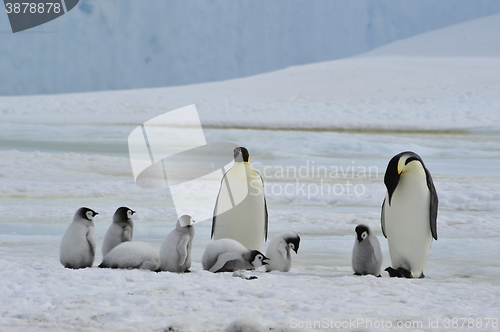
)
(60, 152)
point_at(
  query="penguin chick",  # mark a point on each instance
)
(132, 255)
(409, 214)
(175, 252)
(78, 245)
(278, 251)
(121, 230)
(366, 254)
(228, 255)
(241, 210)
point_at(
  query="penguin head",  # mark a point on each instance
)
(257, 258)
(362, 232)
(185, 221)
(86, 213)
(123, 214)
(293, 242)
(399, 164)
(241, 154)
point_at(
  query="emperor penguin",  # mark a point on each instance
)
(228, 255)
(121, 230)
(175, 252)
(278, 251)
(240, 210)
(366, 254)
(78, 245)
(132, 255)
(409, 214)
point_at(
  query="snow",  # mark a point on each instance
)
(125, 44)
(61, 152)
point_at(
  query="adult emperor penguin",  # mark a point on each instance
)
(132, 255)
(175, 252)
(78, 243)
(409, 214)
(228, 255)
(278, 251)
(366, 254)
(121, 230)
(241, 211)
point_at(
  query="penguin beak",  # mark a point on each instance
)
(296, 250)
(265, 261)
(132, 212)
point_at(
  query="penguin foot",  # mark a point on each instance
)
(392, 272)
(357, 274)
(401, 272)
(405, 273)
(422, 276)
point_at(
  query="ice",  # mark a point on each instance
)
(61, 152)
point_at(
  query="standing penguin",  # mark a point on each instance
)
(121, 230)
(366, 254)
(409, 214)
(228, 255)
(241, 211)
(175, 252)
(78, 243)
(278, 251)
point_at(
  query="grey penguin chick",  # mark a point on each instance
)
(78, 245)
(132, 255)
(121, 230)
(175, 252)
(228, 255)
(366, 254)
(278, 251)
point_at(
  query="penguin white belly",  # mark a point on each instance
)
(75, 249)
(407, 224)
(245, 222)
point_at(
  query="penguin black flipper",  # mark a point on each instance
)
(433, 210)
(215, 208)
(382, 219)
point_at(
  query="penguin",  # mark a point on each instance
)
(132, 255)
(241, 210)
(175, 252)
(121, 229)
(278, 251)
(366, 254)
(409, 214)
(228, 255)
(78, 245)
